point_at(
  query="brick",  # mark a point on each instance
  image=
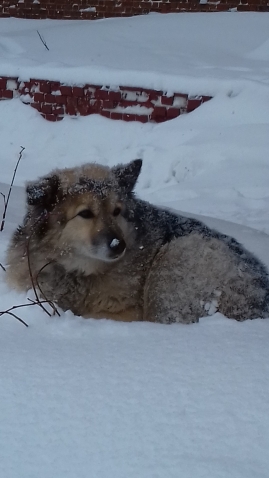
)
(39, 97)
(167, 100)
(50, 117)
(105, 113)
(84, 109)
(108, 104)
(44, 87)
(142, 118)
(48, 98)
(102, 94)
(153, 92)
(206, 98)
(158, 119)
(131, 88)
(129, 117)
(96, 106)
(70, 110)
(77, 91)
(153, 96)
(159, 111)
(3, 83)
(45, 109)
(60, 99)
(116, 116)
(66, 90)
(24, 86)
(262, 8)
(55, 85)
(114, 95)
(172, 113)
(244, 8)
(193, 104)
(6, 94)
(57, 110)
(36, 106)
(71, 101)
(222, 7)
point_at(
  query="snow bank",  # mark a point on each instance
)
(197, 54)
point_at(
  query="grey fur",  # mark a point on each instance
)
(174, 269)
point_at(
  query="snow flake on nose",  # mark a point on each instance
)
(114, 243)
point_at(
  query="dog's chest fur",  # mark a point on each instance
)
(117, 293)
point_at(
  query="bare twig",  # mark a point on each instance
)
(43, 41)
(15, 317)
(2, 267)
(53, 306)
(36, 281)
(31, 272)
(20, 306)
(6, 200)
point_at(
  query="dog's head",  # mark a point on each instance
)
(81, 211)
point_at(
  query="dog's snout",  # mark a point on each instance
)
(117, 246)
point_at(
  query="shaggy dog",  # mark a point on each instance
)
(96, 249)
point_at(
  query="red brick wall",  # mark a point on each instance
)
(55, 100)
(92, 9)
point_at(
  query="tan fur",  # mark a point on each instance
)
(169, 268)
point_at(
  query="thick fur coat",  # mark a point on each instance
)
(94, 248)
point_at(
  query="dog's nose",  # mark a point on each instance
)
(117, 246)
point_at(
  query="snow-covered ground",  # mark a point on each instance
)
(101, 399)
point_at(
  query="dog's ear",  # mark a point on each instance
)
(43, 193)
(127, 174)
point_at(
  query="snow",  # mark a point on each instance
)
(201, 49)
(82, 398)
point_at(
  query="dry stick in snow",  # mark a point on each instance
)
(38, 301)
(14, 307)
(53, 306)
(6, 200)
(43, 41)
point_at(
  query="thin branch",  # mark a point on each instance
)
(31, 272)
(2, 267)
(21, 306)
(53, 306)
(6, 200)
(43, 41)
(16, 317)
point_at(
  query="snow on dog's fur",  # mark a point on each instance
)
(96, 249)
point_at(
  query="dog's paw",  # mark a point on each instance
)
(211, 306)
(180, 319)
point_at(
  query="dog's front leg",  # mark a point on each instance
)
(169, 296)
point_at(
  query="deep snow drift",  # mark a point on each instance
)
(101, 399)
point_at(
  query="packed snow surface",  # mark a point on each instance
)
(85, 398)
(155, 51)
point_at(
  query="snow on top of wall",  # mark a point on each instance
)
(226, 51)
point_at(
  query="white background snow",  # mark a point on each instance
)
(84, 398)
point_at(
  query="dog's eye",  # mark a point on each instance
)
(116, 211)
(86, 214)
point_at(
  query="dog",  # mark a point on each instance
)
(91, 246)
